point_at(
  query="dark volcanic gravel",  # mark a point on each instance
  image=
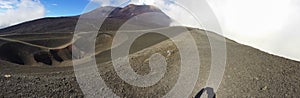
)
(249, 73)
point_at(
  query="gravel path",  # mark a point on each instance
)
(249, 73)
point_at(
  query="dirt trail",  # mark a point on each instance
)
(249, 73)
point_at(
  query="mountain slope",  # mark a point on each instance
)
(40, 43)
(48, 40)
(249, 73)
(114, 18)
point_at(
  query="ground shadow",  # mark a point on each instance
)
(210, 92)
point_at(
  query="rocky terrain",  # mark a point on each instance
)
(38, 62)
(114, 18)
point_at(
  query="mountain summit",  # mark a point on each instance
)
(37, 59)
(123, 13)
(114, 18)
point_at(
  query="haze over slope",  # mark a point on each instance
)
(40, 42)
(115, 16)
(249, 71)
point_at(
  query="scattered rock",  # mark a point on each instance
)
(7, 76)
(71, 91)
(286, 94)
(169, 53)
(264, 88)
(38, 79)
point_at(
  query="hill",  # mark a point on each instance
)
(249, 72)
(36, 60)
(114, 18)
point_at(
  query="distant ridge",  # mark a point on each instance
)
(114, 20)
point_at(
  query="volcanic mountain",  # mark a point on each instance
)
(36, 59)
(114, 18)
(51, 49)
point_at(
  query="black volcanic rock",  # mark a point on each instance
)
(49, 33)
(134, 10)
(57, 24)
(137, 16)
(114, 18)
(123, 13)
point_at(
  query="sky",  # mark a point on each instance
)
(269, 25)
(63, 7)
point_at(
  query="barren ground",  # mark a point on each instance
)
(249, 73)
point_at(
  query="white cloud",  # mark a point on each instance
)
(269, 25)
(110, 2)
(18, 11)
(174, 11)
(102, 2)
(7, 4)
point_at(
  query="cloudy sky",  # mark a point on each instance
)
(269, 25)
